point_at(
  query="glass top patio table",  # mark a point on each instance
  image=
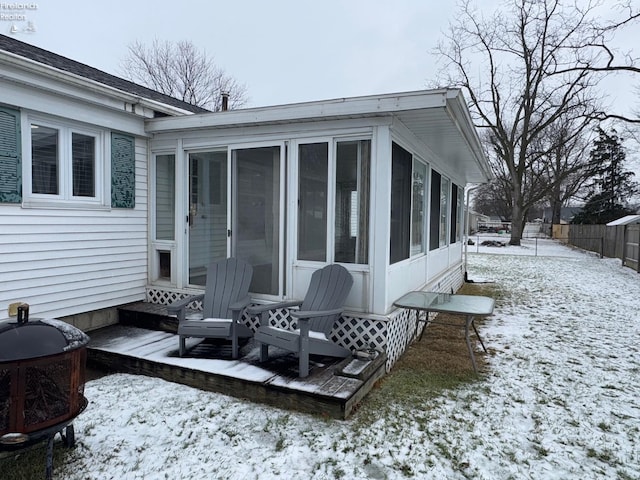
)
(447, 303)
(468, 305)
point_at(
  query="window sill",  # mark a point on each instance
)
(63, 205)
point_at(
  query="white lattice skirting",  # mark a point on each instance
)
(392, 334)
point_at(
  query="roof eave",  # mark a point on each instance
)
(354, 107)
(459, 112)
(91, 85)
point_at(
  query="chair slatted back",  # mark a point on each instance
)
(227, 282)
(328, 290)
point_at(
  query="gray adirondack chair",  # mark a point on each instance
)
(225, 297)
(317, 313)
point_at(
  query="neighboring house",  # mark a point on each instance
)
(476, 219)
(375, 183)
(566, 214)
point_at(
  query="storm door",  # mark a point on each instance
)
(256, 231)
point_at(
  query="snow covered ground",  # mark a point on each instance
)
(561, 399)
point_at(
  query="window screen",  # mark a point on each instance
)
(44, 160)
(400, 203)
(312, 201)
(83, 153)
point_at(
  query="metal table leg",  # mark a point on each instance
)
(425, 321)
(469, 322)
(473, 324)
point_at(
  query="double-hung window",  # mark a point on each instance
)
(65, 163)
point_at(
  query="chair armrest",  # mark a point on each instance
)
(320, 313)
(256, 309)
(178, 308)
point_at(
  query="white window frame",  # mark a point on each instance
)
(65, 197)
(445, 211)
(419, 250)
(332, 142)
(161, 246)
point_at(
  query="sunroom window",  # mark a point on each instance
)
(418, 207)
(347, 169)
(444, 209)
(312, 201)
(457, 211)
(400, 203)
(353, 161)
(408, 205)
(439, 226)
(165, 197)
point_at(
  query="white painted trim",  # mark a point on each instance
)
(380, 217)
(52, 103)
(368, 106)
(226, 136)
(182, 207)
(156, 245)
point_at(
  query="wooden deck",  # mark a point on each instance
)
(334, 387)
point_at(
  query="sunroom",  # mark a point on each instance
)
(373, 183)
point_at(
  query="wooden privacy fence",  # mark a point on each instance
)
(620, 241)
(632, 247)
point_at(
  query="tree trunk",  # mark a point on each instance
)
(556, 209)
(517, 224)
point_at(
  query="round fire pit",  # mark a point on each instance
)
(42, 376)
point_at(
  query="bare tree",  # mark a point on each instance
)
(489, 199)
(568, 167)
(525, 72)
(182, 71)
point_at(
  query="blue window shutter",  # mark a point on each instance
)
(10, 156)
(123, 171)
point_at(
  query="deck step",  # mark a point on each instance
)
(151, 316)
(361, 368)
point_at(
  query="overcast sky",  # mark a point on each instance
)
(285, 51)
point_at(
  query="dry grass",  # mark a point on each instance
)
(29, 464)
(442, 349)
(437, 363)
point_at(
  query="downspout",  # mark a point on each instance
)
(466, 241)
